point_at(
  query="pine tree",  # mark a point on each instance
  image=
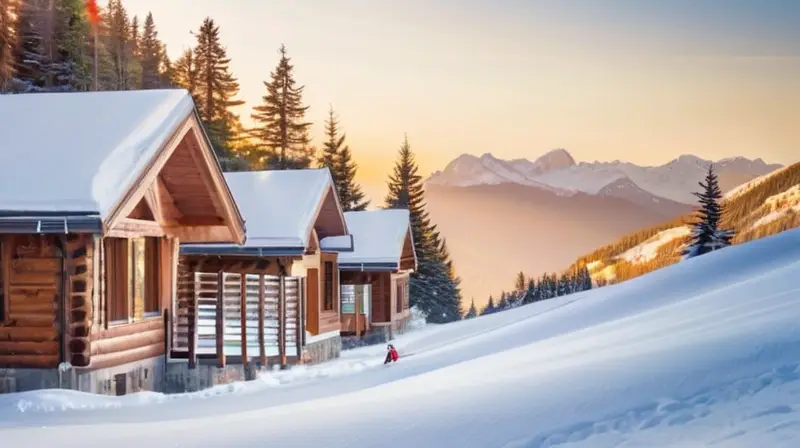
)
(472, 312)
(120, 45)
(281, 126)
(150, 50)
(706, 234)
(331, 148)
(530, 292)
(336, 156)
(434, 287)
(353, 199)
(51, 52)
(503, 303)
(215, 87)
(489, 308)
(519, 282)
(184, 73)
(8, 42)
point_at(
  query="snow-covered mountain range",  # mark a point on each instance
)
(558, 172)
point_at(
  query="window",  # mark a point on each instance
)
(328, 304)
(132, 278)
(402, 295)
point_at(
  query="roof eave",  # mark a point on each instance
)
(200, 249)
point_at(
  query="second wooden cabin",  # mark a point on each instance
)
(274, 300)
(375, 275)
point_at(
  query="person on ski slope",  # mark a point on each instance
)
(391, 354)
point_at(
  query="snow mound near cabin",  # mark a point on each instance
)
(700, 353)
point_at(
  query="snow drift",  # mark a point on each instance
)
(700, 353)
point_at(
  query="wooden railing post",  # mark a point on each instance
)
(220, 314)
(243, 313)
(282, 321)
(262, 349)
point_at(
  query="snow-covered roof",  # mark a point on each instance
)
(279, 207)
(378, 237)
(81, 152)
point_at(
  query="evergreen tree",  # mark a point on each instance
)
(280, 119)
(472, 312)
(706, 234)
(51, 52)
(434, 286)
(184, 73)
(530, 293)
(489, 308)
(120, 46)
(336, 156)
(8, 42)
(503, 303)
(519, 282)
(151, 55)
(215, 87)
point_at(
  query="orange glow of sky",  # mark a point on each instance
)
(642, 82)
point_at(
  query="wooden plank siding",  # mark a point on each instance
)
(29, 332)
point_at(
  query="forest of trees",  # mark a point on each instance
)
(75, 46)
(529, 290)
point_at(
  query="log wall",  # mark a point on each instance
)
(80, 286)
(29, 335)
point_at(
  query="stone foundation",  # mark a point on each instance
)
(322, 350)
(180, 378)
(146, 375)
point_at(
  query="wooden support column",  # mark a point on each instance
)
(282, 321)
(357, 310)
(299, 320)
(369, 282)
(220, 320)
(262, 349)
(192, 315)
(243, 313)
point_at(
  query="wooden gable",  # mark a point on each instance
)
(408, 259)
(329, 220)
(182, 194)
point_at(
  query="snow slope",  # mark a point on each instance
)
(702, 353)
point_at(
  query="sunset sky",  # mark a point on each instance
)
(642, 81)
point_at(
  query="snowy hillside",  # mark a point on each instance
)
(764, 206)
(558, 171)
(700, 353)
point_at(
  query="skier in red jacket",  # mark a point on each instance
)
(391, 355)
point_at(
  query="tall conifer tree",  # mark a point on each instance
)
(215, 87)
(281, 128)
(336, 156)
(434, 287)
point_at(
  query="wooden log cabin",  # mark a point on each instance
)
(375, 275)
(272, 301)
(96, 192)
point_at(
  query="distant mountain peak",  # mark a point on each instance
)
(557, 171)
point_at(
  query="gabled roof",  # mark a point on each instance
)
(379, 237)
(280, 208)
(81, 152)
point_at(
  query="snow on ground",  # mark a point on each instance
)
(701, 353)
(648, 250)
(745, 187)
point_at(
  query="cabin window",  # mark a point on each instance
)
(132, 278)
(328, 304)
